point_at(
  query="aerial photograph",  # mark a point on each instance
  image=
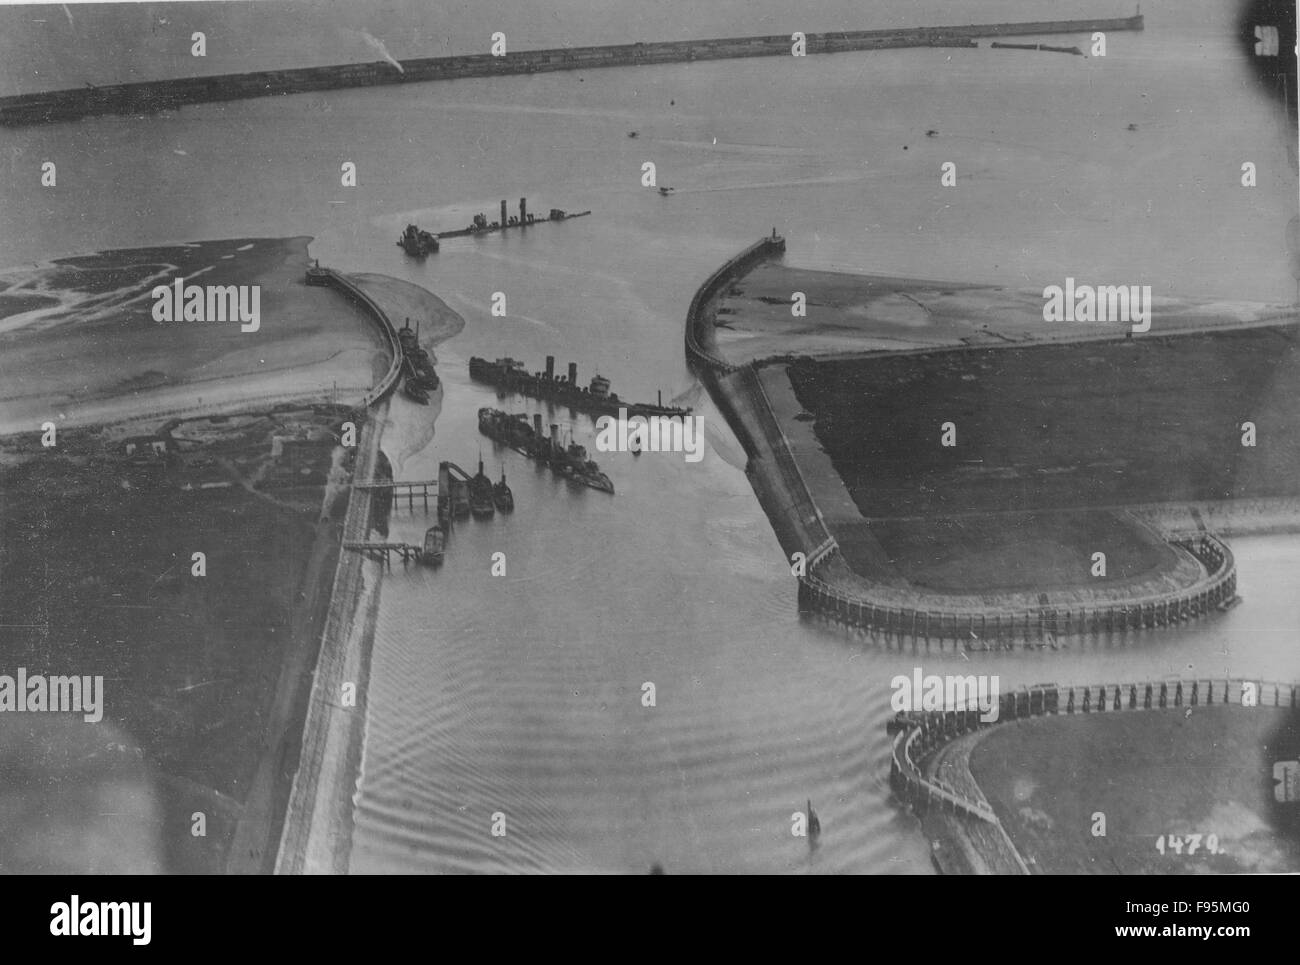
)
(608, 437)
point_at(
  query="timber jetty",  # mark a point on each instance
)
(148, 97)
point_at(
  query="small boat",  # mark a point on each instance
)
(502, 496)
(414, 392)
(459, 498)
(665, 191)
(814, 826)
(435, 538)
(481, 493)
(417, 243)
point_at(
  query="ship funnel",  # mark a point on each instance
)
(555, 432)
(504, 216)
(550, 366)
(573, 373)
(537, 424)
(523, 211)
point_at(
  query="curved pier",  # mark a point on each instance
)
(921, 734)
(350, 289)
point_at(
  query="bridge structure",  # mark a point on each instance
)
(400, 487)
(384, 552)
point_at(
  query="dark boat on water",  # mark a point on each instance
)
(510, 376)
(435, 538)
(569, 461)
(414, 392)
(481, 226)
(417, 243)
(459, 498)
(480, 494)
(417, 366)
(502, 496)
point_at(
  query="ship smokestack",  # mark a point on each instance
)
(537, 424)
(523, 211)
(504, 218)
(555, 433)
(550, 366)
(573, 373)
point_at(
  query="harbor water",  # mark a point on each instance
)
(521, 695)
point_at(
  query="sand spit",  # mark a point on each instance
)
(91, 352)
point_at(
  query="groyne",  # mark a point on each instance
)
(921, 734)
(153, 96)
(788, 501)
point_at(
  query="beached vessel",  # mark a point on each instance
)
(435, 538)
(480, 494)
(416, 363)
(569, 461)
(417, 243)
(480, 225)
(502, 496)
(414, 392)
(509, 375)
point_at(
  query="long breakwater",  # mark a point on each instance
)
(152, 96)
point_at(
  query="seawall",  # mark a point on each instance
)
(317, 823)
(152, 96)
(318, 820)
